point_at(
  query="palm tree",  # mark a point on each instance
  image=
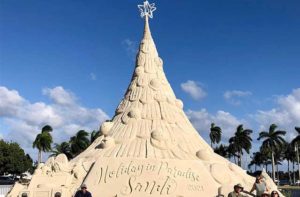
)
(241, 141)
(43, 141)
(231, 151)
(79, 142)
(266, 152)
(289, 155)
(64, 148)
(272, 139)
(94, 135)
(257, 160)
(221, 150)
(215, 134)
(296, 144)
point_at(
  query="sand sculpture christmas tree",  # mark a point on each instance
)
(149, 148)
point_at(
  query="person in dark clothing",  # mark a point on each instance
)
(83, 192)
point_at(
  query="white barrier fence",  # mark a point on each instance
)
(4, 189)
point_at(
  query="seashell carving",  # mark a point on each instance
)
(106, 127)
(179, 103)
(159, 62)
(107, 142)
(142, 80)
(220, 174)
(204, 154)
(134, 113)
(139, 70)
(155, 84)
(158, 135)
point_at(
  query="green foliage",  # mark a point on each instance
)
(222, 150)
(241, 141)
(94, 135)
(215, 134)
(79, 142)
(13, 159)
(64, 148)
(273, 138)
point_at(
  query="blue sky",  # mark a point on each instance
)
(231, 62)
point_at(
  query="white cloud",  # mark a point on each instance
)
(193, 89)
(10, 101)
(286, 115)
(131, 47)
(202, 120)
(93, 76)
(64, 114)
(60, 96)
(233, 96)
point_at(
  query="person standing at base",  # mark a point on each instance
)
(265, 194)
(83, 192)
(260, 186)
(274, 194)
(238, 188)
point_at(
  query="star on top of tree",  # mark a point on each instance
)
(147, 9)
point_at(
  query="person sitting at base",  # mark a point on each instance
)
(57, 194)
(83, 192)
(238, 188)
(265, 194)
(274, 194)
(260, 186)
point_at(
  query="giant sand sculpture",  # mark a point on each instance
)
(148, 149)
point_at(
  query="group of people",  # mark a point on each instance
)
(259, 186)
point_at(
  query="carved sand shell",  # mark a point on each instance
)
(107, 142)
(158, 61)
(179, 103)
(155, 83)
(144, 130)
(204, 154)
(106, 127)
(159, 135)
(142, 80)
(139, 71)
(125, 118)
(220, 174)
(134, 113)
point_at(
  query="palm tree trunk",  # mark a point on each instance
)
(39, 156)
(239, 159)
(277, 173)
(289, 171)
(297, 152)
(294, 178)
(273, 167)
